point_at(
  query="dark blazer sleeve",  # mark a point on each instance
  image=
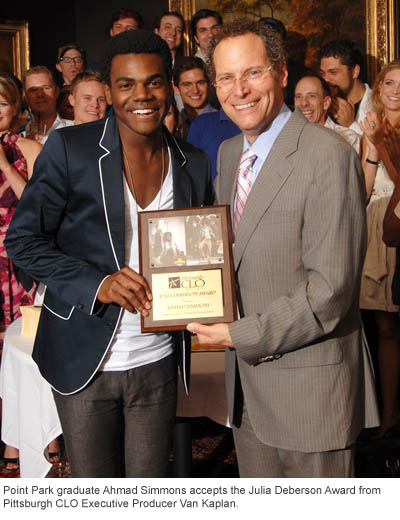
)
(209, 196)
(42, 213)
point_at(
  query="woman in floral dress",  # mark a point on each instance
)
(17, 156)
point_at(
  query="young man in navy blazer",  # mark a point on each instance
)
(76, 231)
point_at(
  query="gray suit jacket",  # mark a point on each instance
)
(305, 374)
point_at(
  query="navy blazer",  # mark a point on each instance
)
(69, 232)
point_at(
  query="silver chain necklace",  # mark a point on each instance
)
(128, 168)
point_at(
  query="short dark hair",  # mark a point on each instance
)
(184, 63)
(135, 42)
(345, 50)
(276, 25)
(64, 48)
(274, 47)
(126, 13)
(177, 14)
(203, 13)
(311, 74)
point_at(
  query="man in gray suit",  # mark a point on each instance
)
(299, 380)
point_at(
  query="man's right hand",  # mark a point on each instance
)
(128, 289)
(342, 111)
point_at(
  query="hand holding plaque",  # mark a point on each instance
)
(128, 289)
(186, 257)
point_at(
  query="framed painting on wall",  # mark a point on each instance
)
(371, 24)
(14, 47)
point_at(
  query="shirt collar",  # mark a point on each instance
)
(263, 144)
(206, 109)
(200, 55)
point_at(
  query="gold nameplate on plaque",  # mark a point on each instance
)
(190, 295)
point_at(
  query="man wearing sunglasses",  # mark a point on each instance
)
(71, 60)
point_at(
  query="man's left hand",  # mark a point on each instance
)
(217, 334)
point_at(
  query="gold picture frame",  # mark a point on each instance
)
(381, 43)
(187, 8)
(14, 47)
(381, 35)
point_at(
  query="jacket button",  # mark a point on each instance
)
(80, 306)
(266, 358)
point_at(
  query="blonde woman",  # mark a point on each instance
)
(380, 260)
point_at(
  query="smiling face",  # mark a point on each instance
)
(123, 24)
(89, 102)
(338, 76)
(7, 112)
(139, 92)
(41, 93)
(389, 91)
(171, 30)
(251, 108)
(206, 29)
(71, 65)
(309, 97)
(193, 88)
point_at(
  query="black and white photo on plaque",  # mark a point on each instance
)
(185, 240)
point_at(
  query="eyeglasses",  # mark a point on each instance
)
(67, 59)
(253, 77)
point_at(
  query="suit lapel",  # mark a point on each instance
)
(181, 180)
(273, 175)
(111, 178)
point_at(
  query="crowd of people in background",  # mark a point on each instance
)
(333, 96)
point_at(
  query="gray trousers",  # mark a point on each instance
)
(258, 460)
(120, 424)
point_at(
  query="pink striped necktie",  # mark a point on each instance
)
(244, 183)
